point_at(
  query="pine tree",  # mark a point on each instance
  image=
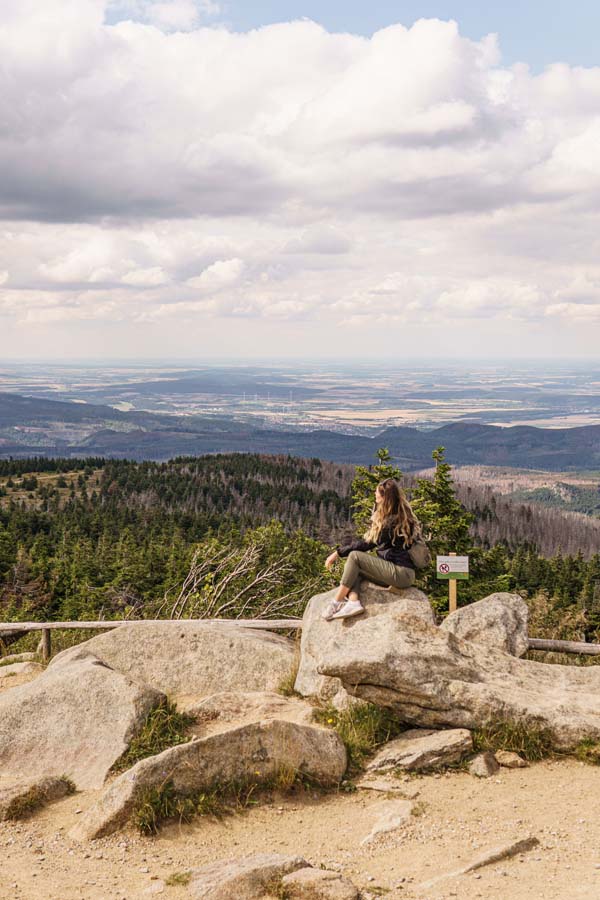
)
(445, 521)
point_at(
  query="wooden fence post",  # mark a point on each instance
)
(452, 592)
(46, 645)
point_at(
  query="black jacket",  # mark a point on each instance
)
(394, 551)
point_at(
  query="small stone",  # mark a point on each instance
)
(484, 765)
(392, 814)
(510, 760)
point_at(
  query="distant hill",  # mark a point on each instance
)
(33, 427)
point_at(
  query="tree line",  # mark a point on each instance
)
(250, 532)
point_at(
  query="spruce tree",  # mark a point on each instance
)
(445, 521)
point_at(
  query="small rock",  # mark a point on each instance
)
(420, 748)
(510, 760)
(22, 797)
(392, 815)
(484, 765)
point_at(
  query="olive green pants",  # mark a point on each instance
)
(373, 568)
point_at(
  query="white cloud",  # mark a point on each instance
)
(221, 274)
(322, 239)
(162, 171)
(152, 277)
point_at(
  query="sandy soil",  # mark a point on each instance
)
(458, 817)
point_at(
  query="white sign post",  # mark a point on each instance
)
(452, 568)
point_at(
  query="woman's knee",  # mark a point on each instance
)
(354, 556)
(405, 577)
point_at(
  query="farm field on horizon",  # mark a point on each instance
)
(360, 398)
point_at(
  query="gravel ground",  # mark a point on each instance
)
(456, 818)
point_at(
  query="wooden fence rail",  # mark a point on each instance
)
(20, 628)
(564, 646)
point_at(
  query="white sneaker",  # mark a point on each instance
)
(351, 608)
(332, 607)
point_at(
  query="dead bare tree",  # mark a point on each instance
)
(231, 583)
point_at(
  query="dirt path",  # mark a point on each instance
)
(458, 818)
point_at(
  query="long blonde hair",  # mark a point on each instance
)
(393, 511)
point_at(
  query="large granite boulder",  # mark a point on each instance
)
(192, 659)
(321, 638)
(75, 719)
(433, 679)
(271, 741)
(499, 621)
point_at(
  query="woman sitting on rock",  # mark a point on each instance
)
(393, 529)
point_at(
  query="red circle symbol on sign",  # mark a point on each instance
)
(444, 568)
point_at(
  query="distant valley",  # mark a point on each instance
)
(32, 426)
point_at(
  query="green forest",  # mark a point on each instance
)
(242, 535)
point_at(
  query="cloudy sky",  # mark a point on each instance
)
(197, 179)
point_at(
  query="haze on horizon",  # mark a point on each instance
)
(175, 186)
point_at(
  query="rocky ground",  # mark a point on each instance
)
(404, 837)
(456, 817)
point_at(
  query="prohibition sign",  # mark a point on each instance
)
(444, 568)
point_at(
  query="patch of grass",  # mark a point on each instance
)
(179, 878)
(165, 726)
(529, 741)
(286, 685)
(363, 727)
(159, 804)
(24, 806)
(588, 751)
(419, 808)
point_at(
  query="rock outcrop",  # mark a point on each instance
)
(498, 621)
(76, 719)
(252, 878)
(229, 709)
(192, 659)
(257, 751)
(433, 679)
(320, 638)
(421, 749)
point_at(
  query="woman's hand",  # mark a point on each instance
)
(331, 560)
